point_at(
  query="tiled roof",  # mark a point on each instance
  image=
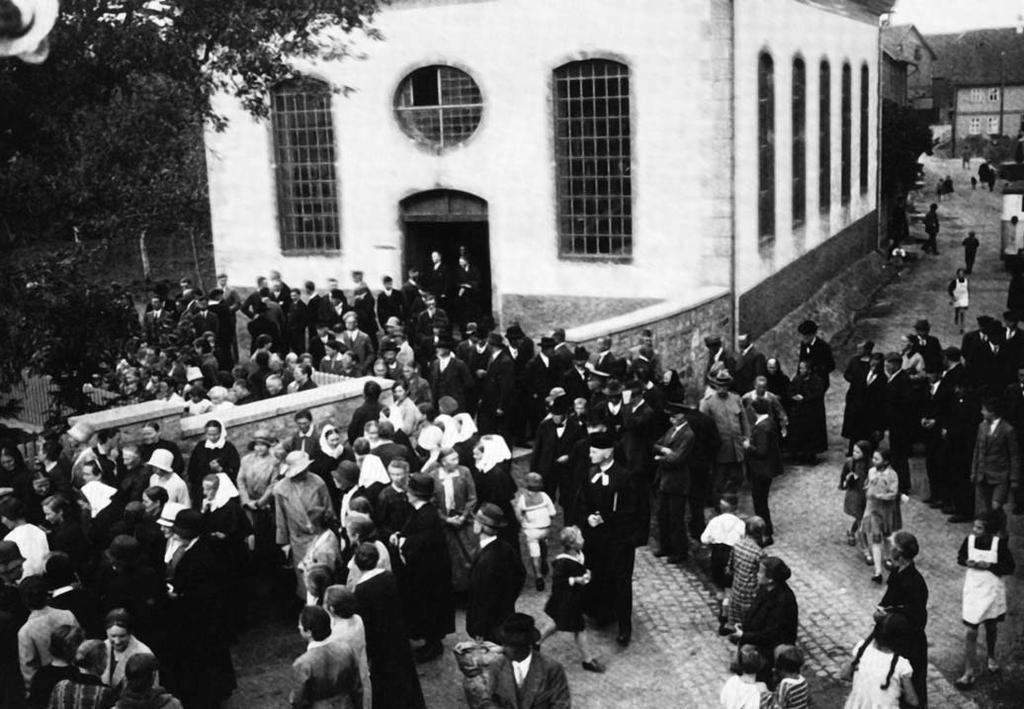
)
(979, 57)
(896, 42)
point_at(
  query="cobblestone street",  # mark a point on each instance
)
(677, 658)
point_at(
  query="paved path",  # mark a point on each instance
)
(676, 658)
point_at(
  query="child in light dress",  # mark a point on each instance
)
(742, 690)
(535, 511)
(722, 533)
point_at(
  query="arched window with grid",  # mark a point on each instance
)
(799, 122)
(824, 137)
(865, 93)
(765, 150)
(305, 158)
(846, 148)
(593, 160)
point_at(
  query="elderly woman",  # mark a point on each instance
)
(493, 480)
(331, 451)
(808, 432)
(455, 499)
(229, 533)
(215, 445)
(121, 645)
(772, 618)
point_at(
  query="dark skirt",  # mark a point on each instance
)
(565, 605)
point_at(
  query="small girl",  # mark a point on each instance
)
(724, 530)
(744, 563)
(988, 561)
(882, 511)
(569, 575)
(535, 510)
(959, 298)
(197, 402)
(792, 691)
(855, 473)
(742, 690)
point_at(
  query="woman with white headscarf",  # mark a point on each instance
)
(214, 445)
(466, 439)
(373, 476)
(428, 446)
(492, 475)
(329, 454)
(231, 537)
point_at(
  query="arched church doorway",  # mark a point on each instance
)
(450, 223)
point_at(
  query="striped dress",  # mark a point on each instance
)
(793, 693)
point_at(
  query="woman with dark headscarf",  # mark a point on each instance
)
(808, 432)
(773, 615)
(778, 382)
(672, 386)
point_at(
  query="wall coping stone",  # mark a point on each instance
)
(645, 316)
(121, 416)
(280, 405)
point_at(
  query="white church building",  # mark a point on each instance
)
(690, 165)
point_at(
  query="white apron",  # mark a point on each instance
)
(984, 592)
(961, 298)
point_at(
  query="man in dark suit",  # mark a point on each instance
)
(205, 320)
(393, 675)
(520, 349)
(440, 280)
(706, 444)
(816, 350)
(411, 290)
(369, 410)
(157, 322)
(899, 410)
(995, 469)
(390, 303)
(934, 411)
(305, 437)
(750, 364)
(637, 435)
(498, 390)
(431, 318)
(298, 323)
(449, 376)
(364, 307)
(523, 678)
(607, 361)
(495, 579)
(563, 353)
(718, 355)
(226, 339)
(907, 594)
(555, 449)
(977, 353)
(476, 353)
(574, 381)
(927, 344)
(541, 377)
(672, 455)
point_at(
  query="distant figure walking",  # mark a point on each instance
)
(966, 157)
(931, 227)
(971, 245)
(959, 297)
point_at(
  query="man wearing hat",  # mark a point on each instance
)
(607, 405)
(524, 677)
(520, 349)
(555, 450)
(294, 497)
(576, 377)
(449, 376)
(815, 350)
(726, 408)
(497, 390)
(607, 515)
(390, 304)
(198, 668)
(718, 356)
(496, 577)
(542, 375)
(607, 361)
(672, 455)
(358, 342)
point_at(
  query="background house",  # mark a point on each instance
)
(904, 44)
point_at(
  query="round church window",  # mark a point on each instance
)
(439, 106)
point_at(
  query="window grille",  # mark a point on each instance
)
(993, 125)
(799, 120)
(975, 126)
(993, 94)
(766, 150)
(825, 138)
(305, 156)
(593, 160)
(440, 106)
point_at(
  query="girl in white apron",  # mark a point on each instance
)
(988, 560)
(959, 298)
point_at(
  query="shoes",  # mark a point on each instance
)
(964, 682)
(593, 666)
(539, 584)
(959, 519)
(877, 579)
(850, 539)
(426, 653)
(623, 640)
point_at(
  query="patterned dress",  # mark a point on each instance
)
(746, 557)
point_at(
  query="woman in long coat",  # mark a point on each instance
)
(229, 531)
(808, 433)
(493, 479)
(455, 499)
(216, 445)
(865, 400)
(427, 580)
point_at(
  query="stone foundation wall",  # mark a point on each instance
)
(679, 330)
(540, 314)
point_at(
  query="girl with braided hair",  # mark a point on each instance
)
(881, 675)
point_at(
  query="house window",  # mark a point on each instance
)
(766, 150)
(993, 94)
(439, 106)
(977, 95)
(993, 125)
(593, 160)
(305, 156)
(865, 94)
(918, 54)
(824, 137)
(846, 148)
(975, 126)
(799, 120)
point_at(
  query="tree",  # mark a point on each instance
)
(904, 138)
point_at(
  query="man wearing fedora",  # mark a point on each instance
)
(607, 515)
(672, 454)
(525, 678)
(555, 451)
(816, 350)
(575, 379)
(718, 356)
(542, 375)
(497, 390)
(726, 409)
(520, 349)
(449, 376)
(294, 497)
(496, 577)
(198, 664)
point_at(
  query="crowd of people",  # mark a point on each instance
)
(128, 566)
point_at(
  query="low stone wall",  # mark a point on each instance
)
(331, 403)
(679, 329)
(540, 314)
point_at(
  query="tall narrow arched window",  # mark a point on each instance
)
(846, 149)
(766, 150)
(865, 93)
(593, 160)
(305, 158)
(824, 137)
(798, 106)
